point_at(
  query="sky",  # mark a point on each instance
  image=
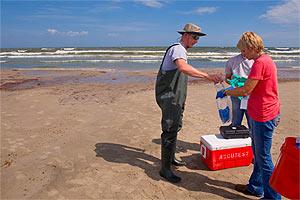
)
(118, 23)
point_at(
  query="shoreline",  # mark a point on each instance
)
(17, 79)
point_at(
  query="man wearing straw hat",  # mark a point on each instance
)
(170, 92)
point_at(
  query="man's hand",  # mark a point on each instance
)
(216, 78)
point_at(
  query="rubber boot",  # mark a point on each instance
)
(175, 161)
(167, 149)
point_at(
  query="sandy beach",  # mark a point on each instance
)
(76, 134)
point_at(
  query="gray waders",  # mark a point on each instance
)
(170, 92)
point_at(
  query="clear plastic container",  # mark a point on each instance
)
(223, 105)
(298, 142)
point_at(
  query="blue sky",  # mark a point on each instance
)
(145, 22)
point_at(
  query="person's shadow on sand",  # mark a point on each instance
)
(192, 181)
(182, 146)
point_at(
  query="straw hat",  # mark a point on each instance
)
(191, 28)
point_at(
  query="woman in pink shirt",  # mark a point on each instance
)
(263, 110)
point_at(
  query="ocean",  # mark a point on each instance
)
(129, 58)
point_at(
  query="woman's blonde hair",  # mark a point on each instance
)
(251, 40)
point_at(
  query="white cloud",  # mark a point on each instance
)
(113, 34)
(150, 3)
(75, 33)
(202, 10)
(102, 9)
(286, 13)
(68, 33)
(52, 31)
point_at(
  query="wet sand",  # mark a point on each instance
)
(96, 135)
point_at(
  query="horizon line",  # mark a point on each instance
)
(133, 47)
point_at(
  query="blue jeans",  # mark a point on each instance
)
(237, 113)
(261, 135)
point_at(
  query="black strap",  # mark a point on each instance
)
(166, 54)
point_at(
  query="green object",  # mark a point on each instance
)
(237, 81)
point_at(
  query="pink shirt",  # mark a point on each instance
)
(263, 103)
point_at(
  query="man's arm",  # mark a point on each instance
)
(243, 91)
(191, 71)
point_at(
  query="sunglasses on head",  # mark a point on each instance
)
(195, 37)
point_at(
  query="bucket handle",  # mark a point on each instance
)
(203, 150)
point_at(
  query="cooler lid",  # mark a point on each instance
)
(216, 142)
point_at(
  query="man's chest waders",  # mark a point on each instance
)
(170, 92)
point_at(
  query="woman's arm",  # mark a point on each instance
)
(228, 76)
(243, 91)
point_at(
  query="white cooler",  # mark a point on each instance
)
(220, 153)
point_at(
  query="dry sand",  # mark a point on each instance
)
(64, 135)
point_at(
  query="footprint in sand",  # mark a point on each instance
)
(80, 120)
(6, 126)
(45, 155)
(12, 148)
(20, 139)
(40, 112)
(20, 175)
(47, 123)
(11, 141)
(57, 149)
(10, 115)
(52, 192)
